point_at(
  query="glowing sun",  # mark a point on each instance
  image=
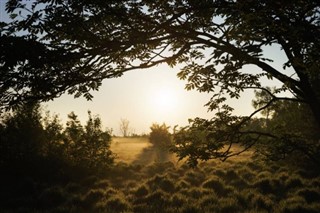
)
(164, 100)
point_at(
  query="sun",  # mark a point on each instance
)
(164, 100)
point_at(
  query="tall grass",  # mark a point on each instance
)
(235, 186)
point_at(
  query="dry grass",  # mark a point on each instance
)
(238, 185)
(137, 151)
(128, 150)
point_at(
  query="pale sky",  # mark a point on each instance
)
(142, 97)
(147, 96)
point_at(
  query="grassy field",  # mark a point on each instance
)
(129, 150)
(141, 183)
(136, 151)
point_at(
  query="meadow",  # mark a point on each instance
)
(140, 182)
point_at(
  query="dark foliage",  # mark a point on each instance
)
(37, 148)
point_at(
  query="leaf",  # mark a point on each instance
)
(13, 15)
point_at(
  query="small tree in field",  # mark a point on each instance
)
(160, 136)
(87, 146)
(124, 127)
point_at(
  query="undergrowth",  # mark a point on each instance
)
(234, 186)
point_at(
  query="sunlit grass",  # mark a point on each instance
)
(242, 184)
(128, 149)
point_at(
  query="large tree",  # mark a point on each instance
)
(51, 47)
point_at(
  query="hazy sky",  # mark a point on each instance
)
(146, 96)
(143, 97)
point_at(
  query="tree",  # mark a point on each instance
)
(88, 146)
(160, 137)
(124, 127)
(97, 146)
(22, 137)
(77, 44)
(53, 136)
(290, 129)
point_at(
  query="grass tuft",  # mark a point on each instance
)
(217, 186)
(141, 191)
(310, 195)
(117, 204)
(161, 182)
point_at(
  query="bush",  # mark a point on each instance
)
(160, 136)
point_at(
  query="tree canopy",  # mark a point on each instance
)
(56, 46)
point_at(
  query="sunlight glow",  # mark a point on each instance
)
(164, 100)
